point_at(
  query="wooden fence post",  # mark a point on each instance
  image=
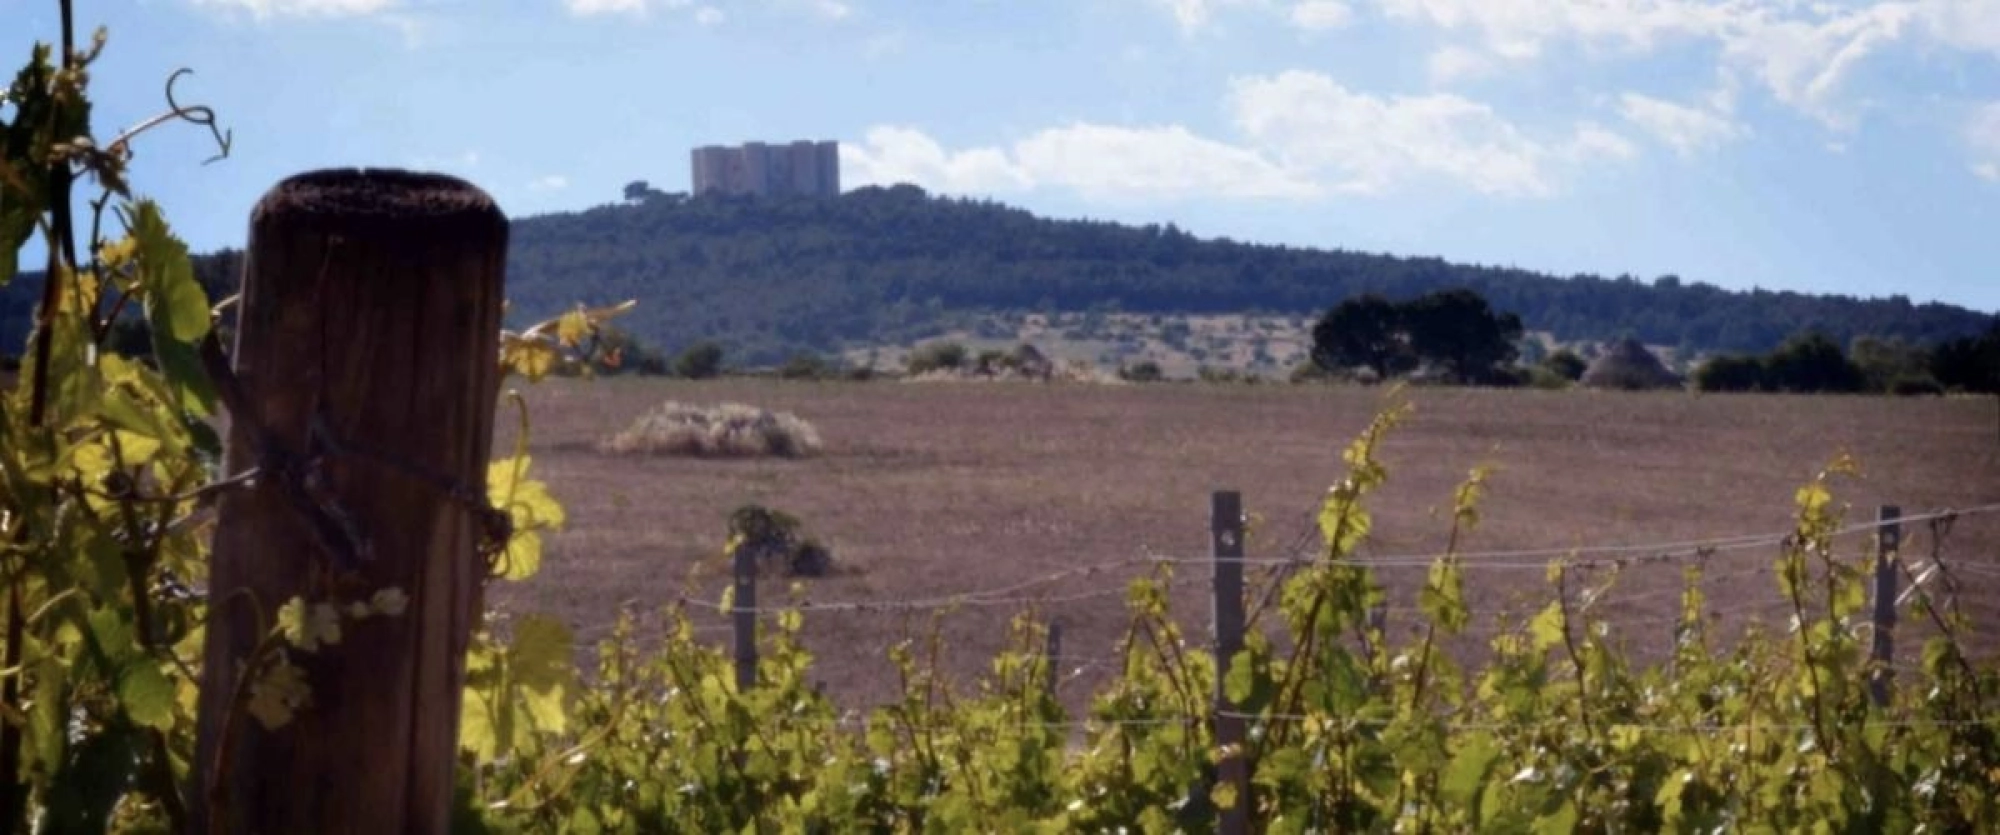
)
(743, 614)
(363, 393)
(1053, 652)
(1226, 527)
(1888, 540)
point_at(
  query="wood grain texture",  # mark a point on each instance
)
(371, 299)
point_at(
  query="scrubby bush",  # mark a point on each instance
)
(937, 356)
(803, 366)
(1810, 362)
(1565, 364)
(731, 430)
(1914, 386)
(771, 539)
(1144, 371)
(701, 361)
(1730, 372)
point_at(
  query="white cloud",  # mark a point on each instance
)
(1982, 135)
(1316, 15)
(303, 8)
(552, 182)
(1369, 144)
(1455, 63)
(1193, 15)
(832, 9)
(1169, 161)
(1804, 54)
(1096, 161)
(1298, 135)
(1519, 28)
(1687, 130)
(893, 154)
(1595, 142)
(709, 16)
(1963, 24)
(1805, 64)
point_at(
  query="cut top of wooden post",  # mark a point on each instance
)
(361, 200)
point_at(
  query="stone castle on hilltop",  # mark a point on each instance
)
(804, 167)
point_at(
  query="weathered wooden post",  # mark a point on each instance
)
(365, 378)
(743, 617)
(1052, 653)
(1226, 526)
(1889, 543)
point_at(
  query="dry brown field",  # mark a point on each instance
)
(925, 491)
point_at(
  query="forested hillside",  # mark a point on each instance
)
(766, 277)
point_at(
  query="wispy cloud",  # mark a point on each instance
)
(586, 8)
(1455, 63)
(1194, 15)
(1982, 136)
(1318, 15)
(1362, 143)
(1297, 136)
(302, 8)
(1096, 161)
(1687, 130)
(550, 182)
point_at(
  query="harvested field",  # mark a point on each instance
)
(924, 491)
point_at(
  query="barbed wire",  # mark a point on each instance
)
(1516, 559)
(851, 720)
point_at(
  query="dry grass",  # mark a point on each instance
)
(730, 430)
(925, 491)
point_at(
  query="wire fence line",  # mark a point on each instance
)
(1508, 560)
(854, 720)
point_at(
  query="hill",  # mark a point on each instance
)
(770, 276)
(766, 276)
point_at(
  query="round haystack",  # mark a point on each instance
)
(1627, 365)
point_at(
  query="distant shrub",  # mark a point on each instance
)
(937, 356)
(1811, 362)
(771, 538)
(701, 361)
(1914, 386)
(1565, 364)
(803, 366)
(731, 430)
(1213, 374)
(1144, 371)
(1544, 377)
(1730, 372)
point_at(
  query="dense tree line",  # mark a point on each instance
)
(1814, 362)
(767, 277)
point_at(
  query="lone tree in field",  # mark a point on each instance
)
(1365, 330)
(1455, 330)
(1458, 330)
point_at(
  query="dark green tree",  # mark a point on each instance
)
(1459, 331)
(1730, 372)
(1365, 330)
(1811, 362)
(1970, 363)
(700, 361)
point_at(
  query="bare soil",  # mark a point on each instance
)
(925, 491)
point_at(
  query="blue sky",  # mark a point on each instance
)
(1843, 147)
